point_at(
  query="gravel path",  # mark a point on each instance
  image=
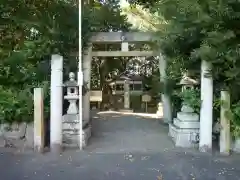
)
(122, 148)
(127, 133)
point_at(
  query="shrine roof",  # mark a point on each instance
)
(131, 78)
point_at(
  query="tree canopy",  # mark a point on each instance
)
(193, 31)
(187, 32)
(33, 30)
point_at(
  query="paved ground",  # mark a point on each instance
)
(127, 133)
(142, 152)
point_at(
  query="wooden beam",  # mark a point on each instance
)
(116, 37)
(123, 53)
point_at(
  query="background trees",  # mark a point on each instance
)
(30, 32)
(186, 30)
(33, 30)
(200, 30)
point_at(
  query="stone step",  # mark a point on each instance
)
(183, 130)
(183, 116)
(186, 124)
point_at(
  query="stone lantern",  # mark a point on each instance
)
(72, 94)
(126, 95)
(187, 83)
(185, 127)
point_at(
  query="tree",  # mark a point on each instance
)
(30, 33)
(201, 30)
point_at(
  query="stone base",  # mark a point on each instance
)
(87, 133)
(186, 138)
(205, 149)
(236, 146)
(72, 119)
(71, 131)
(56, 148)
(126, 110)
(71, 140)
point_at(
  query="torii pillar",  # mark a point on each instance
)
(87, 61)
(206, 112)
(166, 101)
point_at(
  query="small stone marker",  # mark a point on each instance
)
(38, 120)
(146, 99)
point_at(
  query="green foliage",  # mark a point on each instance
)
(33, 30)
(235, 120)
(206, 30)
(101, 17)
(191, 97)
(17, 105)
(202, 30)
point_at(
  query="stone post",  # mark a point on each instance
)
(126, 95)
(39, 132)
(87, 61)
(166, 101)
(225, 136)
(206, 112)
(56, 103)
(124, 46)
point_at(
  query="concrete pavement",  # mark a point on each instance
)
(122, 148)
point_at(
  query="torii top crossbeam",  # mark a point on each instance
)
(118, 37)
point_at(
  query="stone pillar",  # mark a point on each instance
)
(206, 112)
(39, 132)
(56, 103)
(166, 101)
(126, 95)
(125, 48)
(225, 136)
(87, 61)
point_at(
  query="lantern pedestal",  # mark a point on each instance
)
(72, 109)
(71, 131)
(185, 128)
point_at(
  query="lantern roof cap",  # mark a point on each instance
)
(188, 81)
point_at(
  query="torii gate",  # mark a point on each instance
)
(84, 75)
(124, 38)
